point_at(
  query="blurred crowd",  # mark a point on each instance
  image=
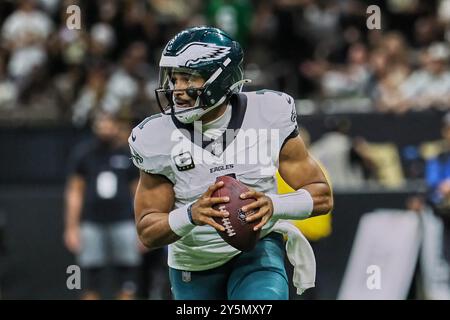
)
(319, 51)
(315, 50)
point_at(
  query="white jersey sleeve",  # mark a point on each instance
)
(279, 110)
(148, 152)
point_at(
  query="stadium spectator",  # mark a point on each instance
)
(429, 86)
(25, 33)
(91, 95)
(385, 81)
(351, 79)
(438, 177)
(310, 49)
(346, 164)
(438, 196)
(103, 40)
(125, 84)
(99, 227)
(234, 17)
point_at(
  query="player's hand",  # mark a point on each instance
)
(202, 209)
(263, 205)
(72, 239)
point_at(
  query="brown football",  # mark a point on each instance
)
(238, 233)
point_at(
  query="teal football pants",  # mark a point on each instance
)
(255, 275)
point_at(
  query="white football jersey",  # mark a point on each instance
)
(260, 123)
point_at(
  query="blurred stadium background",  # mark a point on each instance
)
(370, 105)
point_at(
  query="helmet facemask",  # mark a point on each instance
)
(202, 95)
(166, 92)
(167, 98)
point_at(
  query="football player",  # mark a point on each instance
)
(209, 128)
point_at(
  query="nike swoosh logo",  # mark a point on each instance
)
(133, 137)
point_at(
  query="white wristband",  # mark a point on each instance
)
(297, 205)
(179, 221)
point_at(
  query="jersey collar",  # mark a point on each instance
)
(238, 108)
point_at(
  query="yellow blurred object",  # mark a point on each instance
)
(387, 162)
(432, 149)
(314, 228)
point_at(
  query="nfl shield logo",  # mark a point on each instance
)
(186, 276)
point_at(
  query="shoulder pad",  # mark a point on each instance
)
(150, 145)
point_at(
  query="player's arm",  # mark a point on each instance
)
(301, 171)
(153, 201)
(157, 224)
(73, 198)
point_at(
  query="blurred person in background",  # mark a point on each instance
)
(429, 86)
(435, 257)
(127, 82)
(24, 34)
(322, 25)
(350, 79)
(99, 224)
(67, 47)
(232, 16)
(395, 46)
(347, 164)
(102, 41)
(138, 23)
(438, 182)
(171, 15)
(91, 95)
(385, 79)
(67, 51)
(389, 68)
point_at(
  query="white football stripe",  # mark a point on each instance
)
(194, 53)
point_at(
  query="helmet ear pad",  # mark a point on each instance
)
(219, 88)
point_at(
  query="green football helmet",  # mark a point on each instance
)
(203, 52)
